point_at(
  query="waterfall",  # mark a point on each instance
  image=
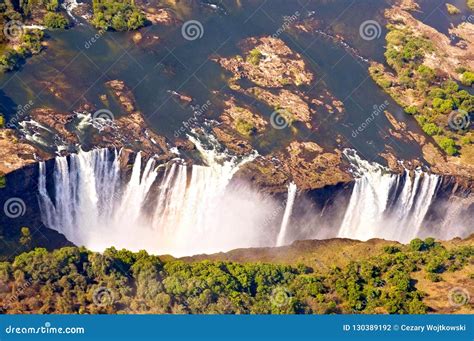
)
(170, 208)
(287, 214)
(183, 210)
(386, 205)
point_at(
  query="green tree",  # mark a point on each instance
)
(25, 238)
(448, 145)
(55, 21)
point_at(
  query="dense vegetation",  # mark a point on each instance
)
(19, 43)
(55, 20)
(119, 15)
(437, 99)
(28, 45)
(75, 280)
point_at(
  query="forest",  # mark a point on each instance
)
(75, 280)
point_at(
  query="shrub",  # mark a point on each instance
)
(254, 57)
(448, 145)
(443, 106)
(426, 73)
(411, 110)
(467, 78)
(431, 129)
(244, 127)
(9, 60)
(117, 15)
(417, 244)
(452, 9)
(390, 249)
(55, 20)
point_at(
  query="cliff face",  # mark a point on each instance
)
(19, 205)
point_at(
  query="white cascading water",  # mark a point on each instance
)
(287, 214)
(182, 210)
(187, 210)
(385, 205)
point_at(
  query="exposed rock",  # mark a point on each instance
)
(400, 130)
(266, 173)
(445, 57)
(137, 37)
(123, 94)
(14, 153)
(185, 99)
(464, 31)
(449, 166)
(160, 16)
(409, 5)
(290, 105)
(184, 144)
(312, 168)
(305, 163)
(58, 121)
(242, 120)
(308, 25)
(268, 63)
(232, 141)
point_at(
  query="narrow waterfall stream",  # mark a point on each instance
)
(287, 214)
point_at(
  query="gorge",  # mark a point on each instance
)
(185, 210)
